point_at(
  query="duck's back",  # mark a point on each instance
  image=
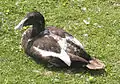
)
(73, 45)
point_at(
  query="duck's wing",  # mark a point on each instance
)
(73, 45)
(46, 46)
(76, 50)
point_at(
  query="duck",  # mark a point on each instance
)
(54, 45)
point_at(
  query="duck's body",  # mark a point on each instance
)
(54, 45)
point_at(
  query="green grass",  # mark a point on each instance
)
(101, 38)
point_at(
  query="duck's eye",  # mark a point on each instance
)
(30, 17)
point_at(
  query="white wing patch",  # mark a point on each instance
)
(63, 43)
(74, 40)
(63, 55)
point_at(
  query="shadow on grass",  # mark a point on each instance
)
(71, 70)
(81, 70)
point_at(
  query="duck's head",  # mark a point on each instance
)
(33, 18)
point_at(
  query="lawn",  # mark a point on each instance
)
(96, 23)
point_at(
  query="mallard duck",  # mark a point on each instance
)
(54, 45)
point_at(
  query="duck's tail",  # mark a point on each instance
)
(95, 64)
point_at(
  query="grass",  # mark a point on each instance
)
(94, 22)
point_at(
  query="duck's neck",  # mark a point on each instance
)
(36, 29)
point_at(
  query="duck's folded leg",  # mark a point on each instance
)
(95, 64)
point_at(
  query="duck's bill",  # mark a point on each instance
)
(20, 25)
